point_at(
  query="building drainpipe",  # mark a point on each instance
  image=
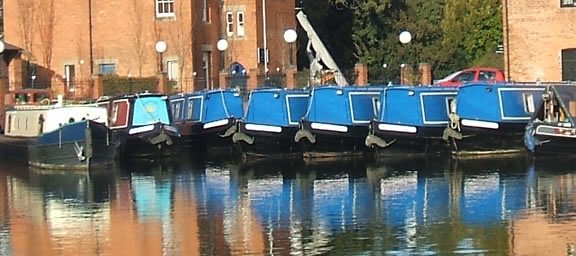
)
(507, 48)
(90, 37)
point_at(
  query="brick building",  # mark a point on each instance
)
(539, 40)
(67, 41)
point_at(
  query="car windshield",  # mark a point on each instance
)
(449, 77)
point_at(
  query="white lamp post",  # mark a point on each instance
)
(160, 49)
(405, 37)
(222, 45)
(290, 37)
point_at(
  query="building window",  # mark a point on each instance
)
(240, 24)
(567, 3)
(172, 70)
(69, 75)
(164, 8)
(107, 68)
(569, 64)
(229, 23)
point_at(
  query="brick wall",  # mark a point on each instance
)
(535, 32)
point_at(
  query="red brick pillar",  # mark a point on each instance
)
(252, 79)
(17, 74)
(162, 85)
(425, 74)
(58, 87)
(406, 75)
(291, 77)
(2, 93)
(223, 79)
(361, 74)
(97, 87)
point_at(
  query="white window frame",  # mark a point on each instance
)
(205, 13)
(167, 11)
(172, 70)
(240, 24)
(229, 23)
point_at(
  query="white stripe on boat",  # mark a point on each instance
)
(329, 127)
(397, 128)
(263, 128)
(141, 129)
(215, 123)
(480, 124)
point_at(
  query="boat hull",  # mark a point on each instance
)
(196, 137)
(79, 146)
(330, 143)
(267, 144)
(426, 140)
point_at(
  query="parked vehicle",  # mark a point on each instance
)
(477, 74)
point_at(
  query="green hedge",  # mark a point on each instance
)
(116, 85)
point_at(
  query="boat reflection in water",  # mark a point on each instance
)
(422, 205)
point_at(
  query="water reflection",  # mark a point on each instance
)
(221, 205)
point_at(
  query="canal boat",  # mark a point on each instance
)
(411, 120)
(143, 124)
(551, 130)
(336, 122)
(59, 136)
(206, 119)
(489, 118)
(271, 122)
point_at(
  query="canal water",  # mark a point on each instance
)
(224, 205)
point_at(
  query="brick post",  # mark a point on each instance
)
(223, 79)
(253, 79)
(17, 75)
(162, 85)
(97, 87)
(406, 75)
(425, 73)
(361, 74)
(291, 77)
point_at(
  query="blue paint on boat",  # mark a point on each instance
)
(204, 117)
(412, 119)
(337, 120)
(271, 121)
(491, 118)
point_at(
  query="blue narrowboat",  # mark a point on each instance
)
(551, 130)
(491, 118)
(67, 137)
(336, 122)
(411, 120)
(143, 124)
(207, 118)
(271, 122)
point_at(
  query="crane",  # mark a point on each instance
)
(318, 54)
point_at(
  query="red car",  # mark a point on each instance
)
(472, 75)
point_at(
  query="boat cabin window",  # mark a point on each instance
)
(194, 109)
(189, 109)
(119, 113)
(177, 110)
(149, 110)
(376, 106)
(528, 103)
